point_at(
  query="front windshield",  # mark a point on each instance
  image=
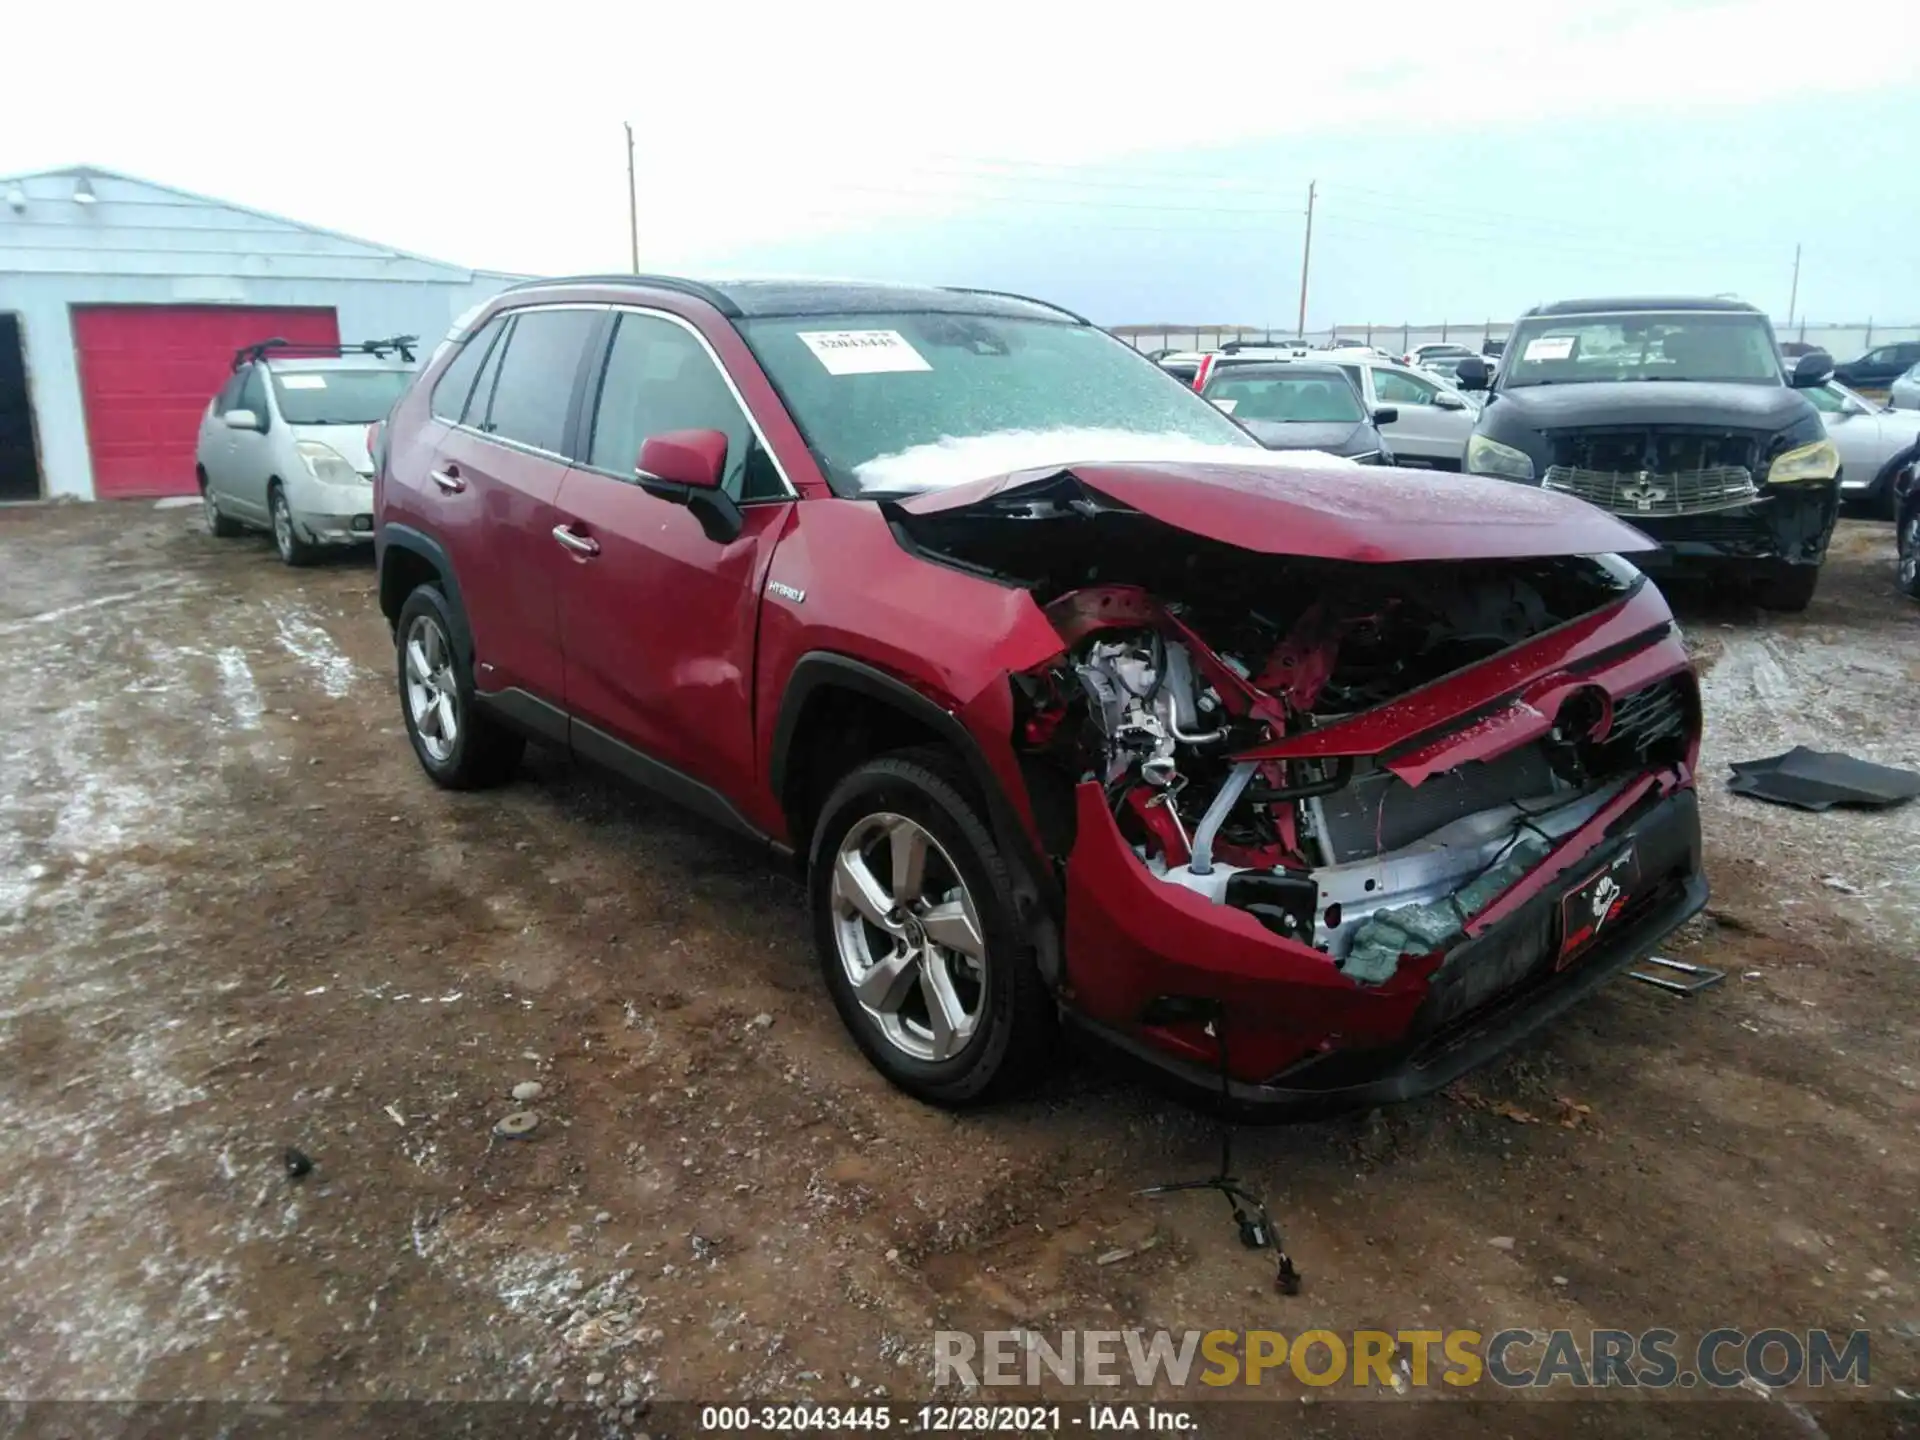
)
(1679, 345)
(1302, 399)
(893, 403)
(337, 397)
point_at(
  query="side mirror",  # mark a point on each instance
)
(242, 420)
(1386, 415)
(1447, 400)
(1473, 373)
(685, 467)
(1811, 369)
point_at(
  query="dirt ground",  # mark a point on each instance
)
(234, 917)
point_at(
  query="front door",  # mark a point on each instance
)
(1423, 430)
(249, 456)
(658, 620)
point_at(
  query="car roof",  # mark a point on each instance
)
(1651, 303)
(759, 298)
(1319, 368)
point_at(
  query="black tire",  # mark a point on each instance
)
(1789, 589)
(1016, 1023)
(1907, 576)
(218, 525)
(483, 752)
(286, 538)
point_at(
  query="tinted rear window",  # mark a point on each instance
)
(535, 385)
(455, 384)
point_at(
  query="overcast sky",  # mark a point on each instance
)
(1472, 157)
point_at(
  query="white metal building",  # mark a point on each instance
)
(122, 302)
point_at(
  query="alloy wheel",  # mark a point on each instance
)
(909, 937)
(433, 698)
(212, 510)
(1910, 550)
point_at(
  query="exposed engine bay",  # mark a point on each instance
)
(1166, 683)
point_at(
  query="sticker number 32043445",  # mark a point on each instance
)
(863, 352)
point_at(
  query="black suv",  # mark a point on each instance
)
(1678, 416)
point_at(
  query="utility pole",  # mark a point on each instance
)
(1793, 296)
(633, 202)
(1306, 258)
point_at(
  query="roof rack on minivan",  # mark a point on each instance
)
(401, 345)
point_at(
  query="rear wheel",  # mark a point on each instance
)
(458, 745)
(286, 539)
(1789, 589)
(1909, 571)
(218, 525)
(918, 933)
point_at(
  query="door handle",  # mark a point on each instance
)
(448, 479)
(578, 544)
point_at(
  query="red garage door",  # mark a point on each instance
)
(147, 372)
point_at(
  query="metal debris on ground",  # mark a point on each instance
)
(517, 1126)
(1699, 977)
(1821, 779)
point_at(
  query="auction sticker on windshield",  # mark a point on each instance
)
(863, 352)
(1549, 347)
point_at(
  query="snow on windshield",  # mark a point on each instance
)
(956, 459)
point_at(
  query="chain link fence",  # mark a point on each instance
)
(1842, 341)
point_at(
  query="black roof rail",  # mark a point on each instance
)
(695, 288)
(401, 345)
(1024, 299)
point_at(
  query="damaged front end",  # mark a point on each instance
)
(1350, 806)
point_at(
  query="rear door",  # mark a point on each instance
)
(490, 495)
(658, 620)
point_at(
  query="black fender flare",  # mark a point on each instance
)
(392, 538)
(822, 669)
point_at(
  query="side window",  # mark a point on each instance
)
(534, 387)
(1393, 388)
(455, 384)
(229, 396)
(253, 394)
(1359, 381)
(660, 378)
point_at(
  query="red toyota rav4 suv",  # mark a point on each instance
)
(1323, 780)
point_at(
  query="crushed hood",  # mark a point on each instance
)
(1334, 511)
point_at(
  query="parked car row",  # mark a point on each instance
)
(1421, 420)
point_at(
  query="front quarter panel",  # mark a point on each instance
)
(840, 583)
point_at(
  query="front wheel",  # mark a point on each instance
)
(1789, 589)
(919, 936)
(286, 539)
(457, 744)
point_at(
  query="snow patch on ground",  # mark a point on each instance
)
(237, 685)
(314, 648)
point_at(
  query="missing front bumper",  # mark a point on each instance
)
(1490, 993)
